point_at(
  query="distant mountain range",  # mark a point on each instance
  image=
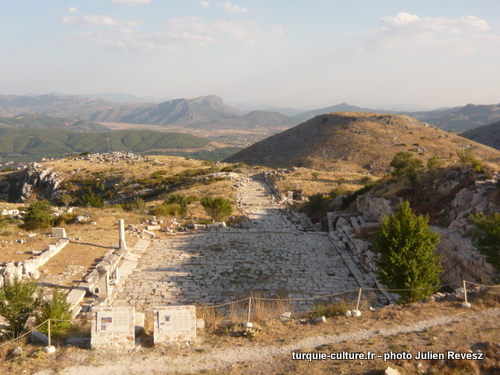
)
(210, 112)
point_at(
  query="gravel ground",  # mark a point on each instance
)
(219, 359)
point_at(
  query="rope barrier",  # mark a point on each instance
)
(489, 286)
(24, 334)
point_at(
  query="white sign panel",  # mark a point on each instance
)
(174, 320)
(113, 321)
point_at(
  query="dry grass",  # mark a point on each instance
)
(303, 179)
(476, 333)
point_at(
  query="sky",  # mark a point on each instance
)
(300, 54)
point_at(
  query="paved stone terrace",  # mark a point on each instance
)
(273, 258)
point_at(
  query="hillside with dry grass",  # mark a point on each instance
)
(357, 141)
(488, 135)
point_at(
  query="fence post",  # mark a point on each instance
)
(359, 298)
(48, 332)
(466, 304)
(249, 308)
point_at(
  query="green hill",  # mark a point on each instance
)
(35, 121)
(34, 144)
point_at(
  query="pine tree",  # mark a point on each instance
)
(18, 302)
(407, 259)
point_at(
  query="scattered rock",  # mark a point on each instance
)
(286, 316)
(200, 323)
(390, 371)
(320, 319)
(17, 351)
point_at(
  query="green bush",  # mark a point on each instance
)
(138, 206)
(38, 216)
(18, 302)
(181, 200)
(337, 192)
(92, 200)
(316, 205)
(66, 199)
(167, 209)
(434, 163)
(466, 156)
(56, 308)
(64, 218)
(216, 207)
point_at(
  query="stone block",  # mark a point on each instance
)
(148, 234)
(38, 338)
(59, 233)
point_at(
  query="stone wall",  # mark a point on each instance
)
(29, 268)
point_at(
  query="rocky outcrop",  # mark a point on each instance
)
(38, 176)
(376, 207)
(459, 258)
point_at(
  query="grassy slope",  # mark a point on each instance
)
(60, 142)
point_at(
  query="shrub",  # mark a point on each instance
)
(63, 219)
(167, 209)
(181, 200)
(336, 192)
(66, 199)
(365, 180)
(38, 216)
(92, 200)
(466, 156)
(138, 205)
(433, 163)
(56, 308)
(216, 207)
(317, 203)
(404, 163)
(18, 302)
(407, 260)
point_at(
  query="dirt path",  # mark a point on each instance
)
(219, 359)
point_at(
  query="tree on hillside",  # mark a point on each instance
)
(38, 215)
(404, 163)
(487, 237)
(18, 302)
(216, 207)
(407, 259)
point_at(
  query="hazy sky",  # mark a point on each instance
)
(305, 54)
